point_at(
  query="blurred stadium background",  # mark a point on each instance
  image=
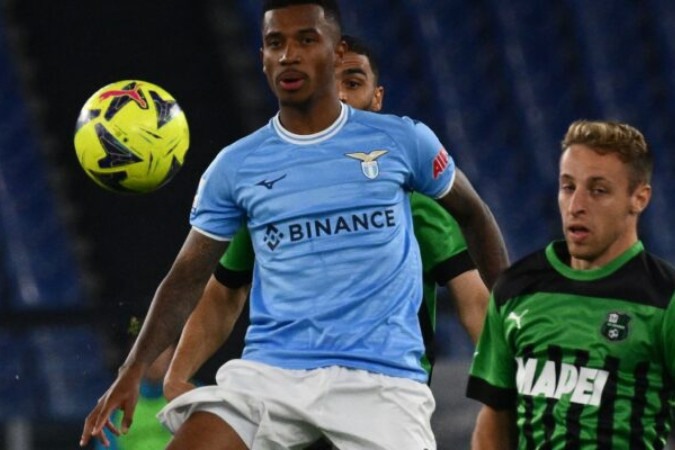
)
(499, 81)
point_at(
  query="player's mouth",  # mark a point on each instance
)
(578, 233)
(291, 80)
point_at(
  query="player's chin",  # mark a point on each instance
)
(293, 99)
(580, 251)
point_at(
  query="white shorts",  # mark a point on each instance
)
(272, 408)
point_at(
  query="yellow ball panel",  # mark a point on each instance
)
(131, 136)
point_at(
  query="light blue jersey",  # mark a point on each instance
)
(337, 279)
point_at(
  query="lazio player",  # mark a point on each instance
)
(445, 259)
(577, 350)
(338, 277)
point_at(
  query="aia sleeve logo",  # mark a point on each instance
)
(441, 162)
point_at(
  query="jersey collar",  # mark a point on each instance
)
(309, 139)
(591, 274)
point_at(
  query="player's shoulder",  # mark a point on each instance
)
(659, 268)
(251, 141)
(523, 276)
(387, 123)
(657, 274)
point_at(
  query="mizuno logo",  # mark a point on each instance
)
(270, 184)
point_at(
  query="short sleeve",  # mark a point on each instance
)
(214, 210)
(492, 377)
(239, 255)
(667, 333)
(434, 169)
(441, 242)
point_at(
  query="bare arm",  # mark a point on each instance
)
(495, 430)
(175, 298)
(208, 327)
(471, 299)
(483, 237)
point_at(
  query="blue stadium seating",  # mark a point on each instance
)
(38, 256)
(500, 81)
(18, 386)
(69, 363)
(49, 373)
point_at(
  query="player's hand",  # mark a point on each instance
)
(123, 394)
(173, 387)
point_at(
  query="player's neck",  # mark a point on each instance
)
(310, 118)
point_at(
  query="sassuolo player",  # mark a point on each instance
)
(577, 350)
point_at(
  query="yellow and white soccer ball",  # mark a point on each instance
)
(131, 137)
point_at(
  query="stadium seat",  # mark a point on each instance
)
(19, 391)
(38, 259)
(72, 370)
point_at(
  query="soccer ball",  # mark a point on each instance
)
(131, 137)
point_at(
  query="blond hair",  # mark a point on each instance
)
(625, 141)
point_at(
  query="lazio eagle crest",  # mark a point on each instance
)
(616, 326)
(369, 165)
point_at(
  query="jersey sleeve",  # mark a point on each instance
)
(214, 210)
(442, 245)
(667, 333)
(236, 265)
(492, 377)
(433, 168)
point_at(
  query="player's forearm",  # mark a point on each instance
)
(471, 300)
(486, 245)
(479, 227)
(175, 298)
(208, 327)
(495, 430)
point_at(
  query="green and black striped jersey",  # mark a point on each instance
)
(586, 357)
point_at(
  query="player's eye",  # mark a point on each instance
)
(567, 187)
(272, 43)
(308, 40)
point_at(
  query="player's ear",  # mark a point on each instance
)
(640, 198)
(264, 69)
(340, 50)
(378, 99)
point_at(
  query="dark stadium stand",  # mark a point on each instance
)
(40, 271)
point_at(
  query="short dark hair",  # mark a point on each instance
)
(359, 47)
(330, 7)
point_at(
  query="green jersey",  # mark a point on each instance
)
(442, 247)
(147, 432)
(586, 357)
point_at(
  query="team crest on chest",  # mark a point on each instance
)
(369, 165)
(615, 327)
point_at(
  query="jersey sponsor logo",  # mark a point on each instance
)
(441, 162)
(270, 184)
(369, 165)
(615, 327)
(330, 226)
(583, 385)
(272, 237)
